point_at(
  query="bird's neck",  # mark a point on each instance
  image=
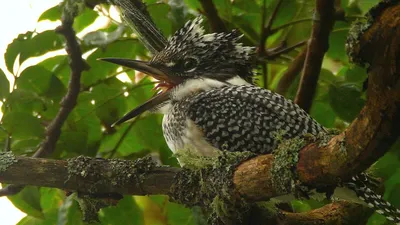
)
(193, 86)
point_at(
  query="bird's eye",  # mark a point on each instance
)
(190, 64)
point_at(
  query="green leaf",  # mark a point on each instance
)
(22, 125)
(392, 186)
(194, 4)
(337, 41)
(25, 146)
(43, 83)
(179, 13)
(87, 17)
(56, 89)
(69, 213)
(34, 78)
(130, 144)
(73, 141)
(52, 14)
(100, 69)
(24, 101)
(52, 63)
(224, 8)
(15, 48)
(175, 213)
(377, 219)
(249, 25)
(125, 212)
(366, 5)
(346, 101)
(50, 198)
(155, 10)
(59, 67)
(242, 6)
(300, 206)
(307, 205)
(108, 102)
(384, 166)
(28, 201)
(30, 220)
(138, 138)
(40, 44)
(178, 214)
(326, 79)
(356, 74)
(323, 113)
(288, 10)
(31, 45)
(83, 119)
(142, 129)
(4, 85)
(300, 31)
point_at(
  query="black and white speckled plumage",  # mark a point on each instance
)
(361, 185)
(238, 118)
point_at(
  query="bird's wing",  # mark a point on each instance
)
(244, 118)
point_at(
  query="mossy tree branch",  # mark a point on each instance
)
(101, 177)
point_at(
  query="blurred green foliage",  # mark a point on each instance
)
(38, 89)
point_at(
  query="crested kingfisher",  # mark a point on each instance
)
(210, 103)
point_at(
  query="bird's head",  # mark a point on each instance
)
(192, 55)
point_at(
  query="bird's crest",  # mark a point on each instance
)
(192, 34)
(214, 52)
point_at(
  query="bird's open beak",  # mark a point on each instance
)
(166, 83)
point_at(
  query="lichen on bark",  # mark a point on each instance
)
(286, 156)
(116, 174)
(209, 183)
(354, 45)
(6, 160)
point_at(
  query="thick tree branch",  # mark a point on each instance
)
(86, 175)
(317, 46)
(342, 212)
(217, 25)
(101, 177)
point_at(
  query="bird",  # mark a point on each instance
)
(210, 102)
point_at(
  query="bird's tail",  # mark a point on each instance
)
(362, 185)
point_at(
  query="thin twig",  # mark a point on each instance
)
(265, 75)
(217, 25)
(272, 18)
(317, 46)
(264, 34)
(291, 23)
(103, 80)
(261, 48)
(290, 74)
(273, 55)
(123, 136)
